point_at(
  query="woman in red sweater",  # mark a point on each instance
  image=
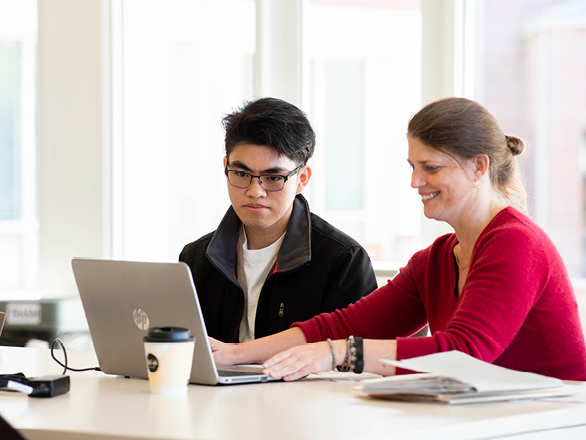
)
(496, 289)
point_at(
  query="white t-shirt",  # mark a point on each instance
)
(253, 269)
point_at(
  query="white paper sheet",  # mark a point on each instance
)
(481, 375)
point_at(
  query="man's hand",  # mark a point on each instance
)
(226, 354)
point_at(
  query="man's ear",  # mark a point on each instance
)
(304, 176)
(225, 161)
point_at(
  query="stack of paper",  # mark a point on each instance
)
(455, 377)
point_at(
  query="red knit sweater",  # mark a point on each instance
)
(517, 308)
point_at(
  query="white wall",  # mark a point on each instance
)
(70, 139)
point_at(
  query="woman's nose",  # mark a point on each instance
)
(416, 179)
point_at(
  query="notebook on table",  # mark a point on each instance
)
(123, 299)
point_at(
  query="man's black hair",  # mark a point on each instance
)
(273, 123)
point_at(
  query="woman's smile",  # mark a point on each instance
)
(426, 197)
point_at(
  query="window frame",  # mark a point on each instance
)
(80, 132)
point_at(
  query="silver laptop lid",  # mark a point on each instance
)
(123, 299)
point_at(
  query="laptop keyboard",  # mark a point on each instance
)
(227, 373)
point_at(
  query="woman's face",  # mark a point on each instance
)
(446, 186)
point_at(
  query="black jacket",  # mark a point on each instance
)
(318, 269)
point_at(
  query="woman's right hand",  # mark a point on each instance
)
(297, 362)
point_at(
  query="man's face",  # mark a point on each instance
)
(264, 213)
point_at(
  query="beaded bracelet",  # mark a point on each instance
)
(349, 360)
(354, 360)
(333, 354)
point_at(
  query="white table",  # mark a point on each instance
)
(100, 407)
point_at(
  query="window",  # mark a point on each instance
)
(359, 69)
(530, 68)
(365, 84)
(343, 134)
(198, 63)
(9, 133)
(18, 219)
(186, 64)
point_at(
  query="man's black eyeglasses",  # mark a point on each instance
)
(269, 182)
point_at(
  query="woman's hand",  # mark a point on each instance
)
(227, 354)
(297, 362)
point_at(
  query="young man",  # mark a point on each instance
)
(271, 262)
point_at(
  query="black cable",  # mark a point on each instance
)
(65, 367)
(17, 377)
(8, 382)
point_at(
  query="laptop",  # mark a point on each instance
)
(123, 299)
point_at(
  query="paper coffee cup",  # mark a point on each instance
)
(169, 354)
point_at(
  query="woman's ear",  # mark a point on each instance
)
(480, 163)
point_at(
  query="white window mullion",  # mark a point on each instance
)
(278, 59)
(117, 129)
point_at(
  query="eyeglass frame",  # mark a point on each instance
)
(252, 176)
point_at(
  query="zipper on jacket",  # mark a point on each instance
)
(281, 310)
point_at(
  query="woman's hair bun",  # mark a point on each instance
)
(515, 144)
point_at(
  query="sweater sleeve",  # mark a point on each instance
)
(517, 308)
(392, 310)
(508, 273)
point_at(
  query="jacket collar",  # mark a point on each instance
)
(295, 250)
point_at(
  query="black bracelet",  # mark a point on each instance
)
(359, 356)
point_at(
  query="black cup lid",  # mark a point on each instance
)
(169, 334)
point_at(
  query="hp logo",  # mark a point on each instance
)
(141, 319)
